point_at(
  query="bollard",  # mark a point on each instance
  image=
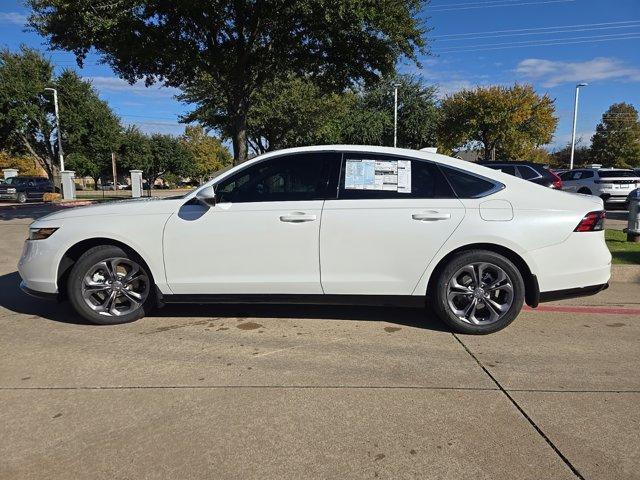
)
(633, 225)
(68, 184)
(136, 183)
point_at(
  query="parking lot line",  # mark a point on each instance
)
(584, 309)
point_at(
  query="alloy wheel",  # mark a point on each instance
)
(115, 286)
(480, 293)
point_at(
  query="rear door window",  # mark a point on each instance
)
(371, 176)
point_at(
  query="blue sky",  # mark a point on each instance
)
(552, 44)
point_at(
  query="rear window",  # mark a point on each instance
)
(617, 173)
(467, 185)
(527, 172)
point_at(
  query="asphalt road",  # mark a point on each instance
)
(310, 392)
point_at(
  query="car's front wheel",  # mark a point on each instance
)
(478, 292)
(22, 197)
(109, 286)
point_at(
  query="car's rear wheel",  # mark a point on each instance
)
(22, 197)
(108, 286)
(478, 292)
(584, 191)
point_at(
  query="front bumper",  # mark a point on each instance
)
(37, 294)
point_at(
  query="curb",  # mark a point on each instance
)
(625, 273)
(72, 203)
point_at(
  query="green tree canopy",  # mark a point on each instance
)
(616, 142)
(89, 128)
(155, 155)
(370, 122)
(512, 120)
(219, 51)
(295, 111)
(209, 155)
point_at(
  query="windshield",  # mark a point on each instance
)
(617, 173)
(15, 181)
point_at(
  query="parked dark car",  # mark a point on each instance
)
(533, 172)
(23, 189)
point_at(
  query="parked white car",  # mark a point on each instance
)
(613, 185)
(332, 224)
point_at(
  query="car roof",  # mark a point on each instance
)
(509, 162)
(406, 152)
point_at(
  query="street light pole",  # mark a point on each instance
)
(575, 119)
(59, 133)
(395, 114)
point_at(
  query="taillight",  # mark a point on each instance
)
(557, 181)
(592, 222)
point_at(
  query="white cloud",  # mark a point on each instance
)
(554, 73)
(15, 18)
(448, 87)
(115, 84)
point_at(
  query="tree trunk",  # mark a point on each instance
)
(239, 138)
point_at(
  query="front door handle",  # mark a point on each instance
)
(431, 216)
(297, 217)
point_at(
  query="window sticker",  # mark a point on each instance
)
(387, 175)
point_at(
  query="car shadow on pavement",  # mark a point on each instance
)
(13, 299)
(408, 317)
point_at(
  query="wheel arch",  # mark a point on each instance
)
(74, 252)
(532, 291)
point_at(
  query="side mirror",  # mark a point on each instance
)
(206, 196)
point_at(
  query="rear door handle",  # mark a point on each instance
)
(297, 217)
(431, 216)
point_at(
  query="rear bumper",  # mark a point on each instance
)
(572, 293)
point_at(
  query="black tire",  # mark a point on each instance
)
(22, 197)
(584, 191)
(83, 267)
(445, 312)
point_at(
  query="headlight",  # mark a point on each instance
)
(11, 190)
(41, 233)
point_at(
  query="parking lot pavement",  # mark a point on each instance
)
(315, 392)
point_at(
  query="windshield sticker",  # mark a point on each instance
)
(387, 175)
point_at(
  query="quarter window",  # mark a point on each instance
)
(467, 185)
(281, 179)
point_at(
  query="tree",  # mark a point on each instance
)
(94, 131)
(25, 165)
(209, 155)
(616, 142)
(25, 112)
(294, 111)
(155, 155)
(581, 155)
(510, 121)
(27, 126)
(290, 112)
(219, 51)
(371, 120)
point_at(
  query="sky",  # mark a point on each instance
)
(551, 44)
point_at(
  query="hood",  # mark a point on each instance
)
(138, 206)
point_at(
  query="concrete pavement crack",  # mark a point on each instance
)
(544, 436)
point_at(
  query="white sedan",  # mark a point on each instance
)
(336, 224)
